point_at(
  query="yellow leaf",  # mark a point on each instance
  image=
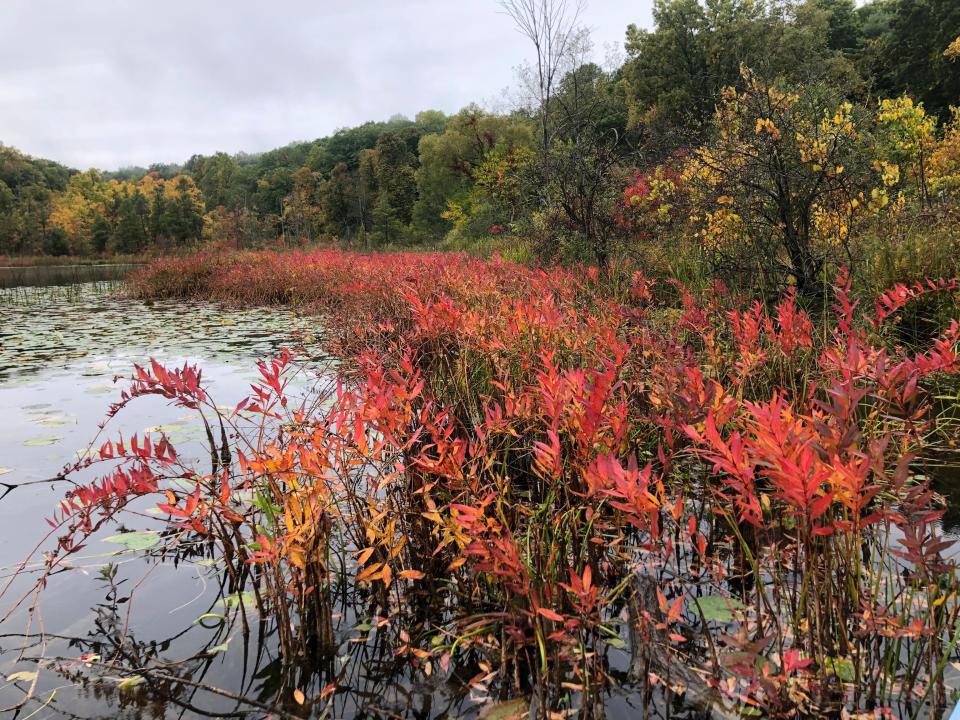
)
(395, 551)
(298, 696)
(296, 556)
(22, 675)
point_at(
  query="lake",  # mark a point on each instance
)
(60, 275)
(60, 349)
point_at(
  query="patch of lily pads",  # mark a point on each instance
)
(42, 441)
(86, 323)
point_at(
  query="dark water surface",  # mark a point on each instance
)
(60, 348)
(47, 275)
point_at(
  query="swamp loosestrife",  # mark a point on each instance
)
(538, 469)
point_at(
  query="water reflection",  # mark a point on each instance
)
(87, 331)
(60, 349)
(49, 275)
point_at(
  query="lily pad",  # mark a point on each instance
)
(24, 675)
(718, 608)
(515, 709)
(210, 616)
(130, 682)
(166, 429)
(184, 483)
(842, 667)
(55, 421)
(41, 441)
(135, 540)
(246, 598)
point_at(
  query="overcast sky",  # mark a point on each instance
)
(109, 83)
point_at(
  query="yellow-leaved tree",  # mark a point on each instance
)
(905, 139)
(944, 162)
(75, 211)
(775, 190)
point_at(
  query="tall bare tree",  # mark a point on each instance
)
(551, 25)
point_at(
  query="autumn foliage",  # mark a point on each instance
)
(572, 465)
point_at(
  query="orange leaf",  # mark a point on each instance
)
(364, 555)
(674, 613)
(550, 614)
(370, 573)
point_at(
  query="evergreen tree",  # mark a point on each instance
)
(101, 232)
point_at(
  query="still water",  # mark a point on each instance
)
(47, 275)
(60, 349)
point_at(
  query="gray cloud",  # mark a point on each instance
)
(107, 83)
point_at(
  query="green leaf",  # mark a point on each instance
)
(130, 682)
(842, 668)
(4, 471)
(166, 429)
(507, 710)
(25, 675)
(135, 540)
(718, 608)
(184, 483)
(222, 648)
(246, 598)
(55, 421)
(41, 441)
(210, 616)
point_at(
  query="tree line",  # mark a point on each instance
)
(557, 171)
